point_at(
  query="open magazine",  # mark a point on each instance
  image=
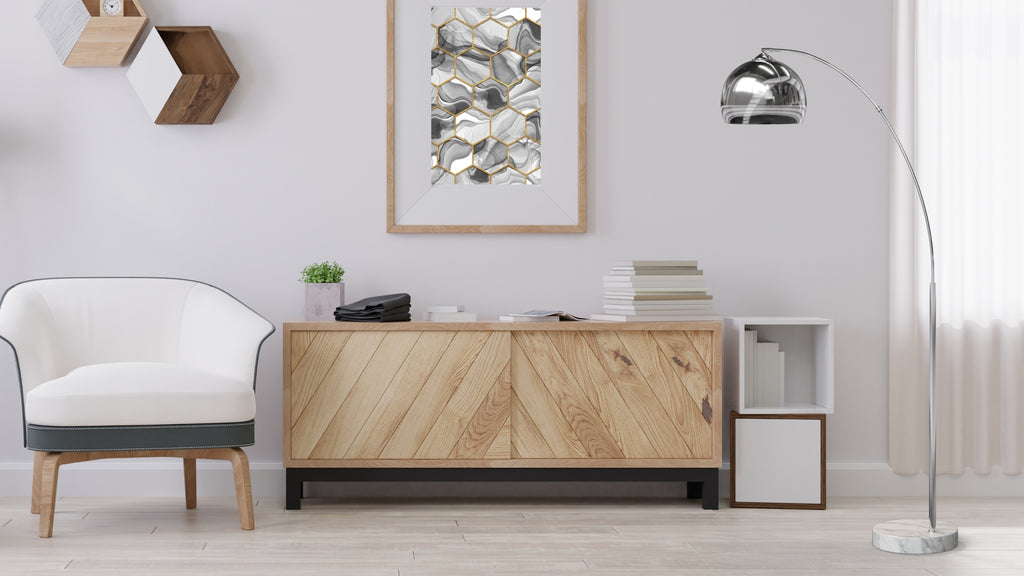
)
(540, 316)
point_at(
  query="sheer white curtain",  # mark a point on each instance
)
(958, 85)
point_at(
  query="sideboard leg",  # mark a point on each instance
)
(292, 489)
(709, 500)
(694, 490)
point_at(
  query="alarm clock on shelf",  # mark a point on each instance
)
(111, 8)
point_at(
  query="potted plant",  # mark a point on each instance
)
(325, 290)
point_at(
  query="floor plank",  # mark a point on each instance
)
(418, 537)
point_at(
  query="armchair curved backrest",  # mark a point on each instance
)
(58, 324)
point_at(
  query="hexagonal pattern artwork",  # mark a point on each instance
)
(486, 96)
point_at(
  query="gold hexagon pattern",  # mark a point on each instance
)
(486, 96)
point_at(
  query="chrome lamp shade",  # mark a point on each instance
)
(763, 91)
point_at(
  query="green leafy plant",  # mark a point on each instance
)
(323, 273)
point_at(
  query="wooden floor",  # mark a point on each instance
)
(489, 537)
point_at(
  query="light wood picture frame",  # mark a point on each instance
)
(555, 203)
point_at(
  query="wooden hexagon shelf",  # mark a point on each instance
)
(182, 75)
(81, 37)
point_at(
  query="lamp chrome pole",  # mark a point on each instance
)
(767, 91)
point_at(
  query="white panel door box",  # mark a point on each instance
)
(778, 365)
(778, 461)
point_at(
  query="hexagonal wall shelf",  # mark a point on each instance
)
(182, 75)
(81, 37)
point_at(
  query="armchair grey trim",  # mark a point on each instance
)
(130, 438)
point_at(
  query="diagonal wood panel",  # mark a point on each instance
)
(501, 447)
(331, 390)
(643, 403)
(490, 420)
(316, 359)
(605, 397)
(434, 395)
(692, 371)
(489, 370)
(704, 343)
(300, 341)
(364, 394)
(536, 403)
(400, 394)
(568, 395)
(526, 438)
(656, 370)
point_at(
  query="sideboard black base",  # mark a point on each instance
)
(700, 482)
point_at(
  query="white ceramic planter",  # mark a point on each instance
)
(322, 299)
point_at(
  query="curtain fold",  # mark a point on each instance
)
(957, 83)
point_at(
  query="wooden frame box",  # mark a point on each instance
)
(182, 75)
(428, 194)
(777, 461)
(80, 37)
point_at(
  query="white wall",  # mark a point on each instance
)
(784, 221)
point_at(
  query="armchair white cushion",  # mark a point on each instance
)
(118, 367)
(139, 393)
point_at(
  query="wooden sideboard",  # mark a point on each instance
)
(503, 401)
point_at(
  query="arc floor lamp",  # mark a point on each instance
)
(766, 91)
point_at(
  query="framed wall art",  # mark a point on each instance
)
(465, 99)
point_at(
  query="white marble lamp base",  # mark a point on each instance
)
(914, 537)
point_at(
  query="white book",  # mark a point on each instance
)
(661, 297)
(780, 391)
(647, 293)
(630, 271)
(654, 264)
(679, 289)
(704, 309)
(652, 280)
(766, 375)
(447, 308)
(449, 316)
(664, 317)
(677, 305)
(749, 346)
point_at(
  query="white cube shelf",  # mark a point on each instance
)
(809, 371)
(778, 461)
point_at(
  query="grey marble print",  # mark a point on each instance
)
(454, 96)
(490, 96)
(524, 37)
(485, 95)
(473, 66)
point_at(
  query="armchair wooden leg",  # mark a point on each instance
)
(243, 489)
(48, 492)
(37, 480)
(190, 482)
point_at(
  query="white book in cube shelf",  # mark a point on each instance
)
(766, 375)
(749, 345)
(806, 382)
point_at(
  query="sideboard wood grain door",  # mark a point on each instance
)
(400, 395)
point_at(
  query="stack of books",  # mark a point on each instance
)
(764, 372)
(449, 313)
(654, 290)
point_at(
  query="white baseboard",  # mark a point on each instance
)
(163, 478)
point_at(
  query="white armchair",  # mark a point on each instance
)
(133, 367)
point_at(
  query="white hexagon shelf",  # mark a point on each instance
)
(81, 37)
